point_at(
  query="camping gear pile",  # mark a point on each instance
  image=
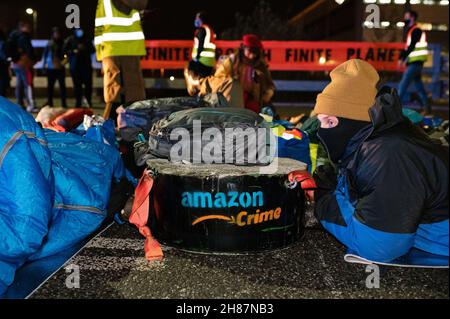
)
(55, 189)
(224, 201)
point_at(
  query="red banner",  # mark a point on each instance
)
(282, 55)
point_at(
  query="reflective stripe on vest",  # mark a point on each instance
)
(118, 21)
(420, 52)
(119, 36)
(208, 54)
(117, 33)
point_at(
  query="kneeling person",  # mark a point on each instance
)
(386, 196)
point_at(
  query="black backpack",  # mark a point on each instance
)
(228, 123)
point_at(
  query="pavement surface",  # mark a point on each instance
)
(113, 266)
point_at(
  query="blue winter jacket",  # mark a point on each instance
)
(54, 189)
(390, 201)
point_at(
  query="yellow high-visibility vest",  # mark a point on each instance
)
(117, 33)
(420, 52)
(208, 55)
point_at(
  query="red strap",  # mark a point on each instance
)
(306, 182)
(139, 217)
(56, 127)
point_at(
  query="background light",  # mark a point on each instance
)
(29, 11)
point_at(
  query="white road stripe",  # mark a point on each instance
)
(116, 243)
(116, 263)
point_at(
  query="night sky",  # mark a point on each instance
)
(167, 19)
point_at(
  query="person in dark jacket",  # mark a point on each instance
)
(53, 65)
(79, 50)
(413, 57)
(4, 65)
(23, 58)
(386, 195)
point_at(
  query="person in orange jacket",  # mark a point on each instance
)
(243, 77)
(248, 66)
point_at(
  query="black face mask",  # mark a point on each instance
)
(336, 139)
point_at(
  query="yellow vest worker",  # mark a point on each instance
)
(120, 42)
(413, 57)
(207, 54)
(420, 51)
(204, 50)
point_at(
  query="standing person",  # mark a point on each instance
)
(4, 69)
(53, 65)
(79, 49)
(414, 56)
(120, 43)
(204, 50)
(20, 50)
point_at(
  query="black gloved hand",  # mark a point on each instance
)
(326, 180)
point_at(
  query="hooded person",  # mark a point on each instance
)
(386, 195)
(249, 67)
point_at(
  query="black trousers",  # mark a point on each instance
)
(52, 77)
(82, 84)
(200, 70)
(4, 79)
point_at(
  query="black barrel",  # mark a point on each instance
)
(224, 208)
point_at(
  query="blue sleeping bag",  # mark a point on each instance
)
(54, 189)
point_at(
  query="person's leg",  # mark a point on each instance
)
(420, 88)
(205, 71)
(4, 78)
(87, 81)
(29, 89)
(77, 86)
(406, 80)
(62, 87)
(20, 80)
(2, 86)
(51, 78)
(112, 85)
(133, 80)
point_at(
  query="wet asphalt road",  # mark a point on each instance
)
(113, 266)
